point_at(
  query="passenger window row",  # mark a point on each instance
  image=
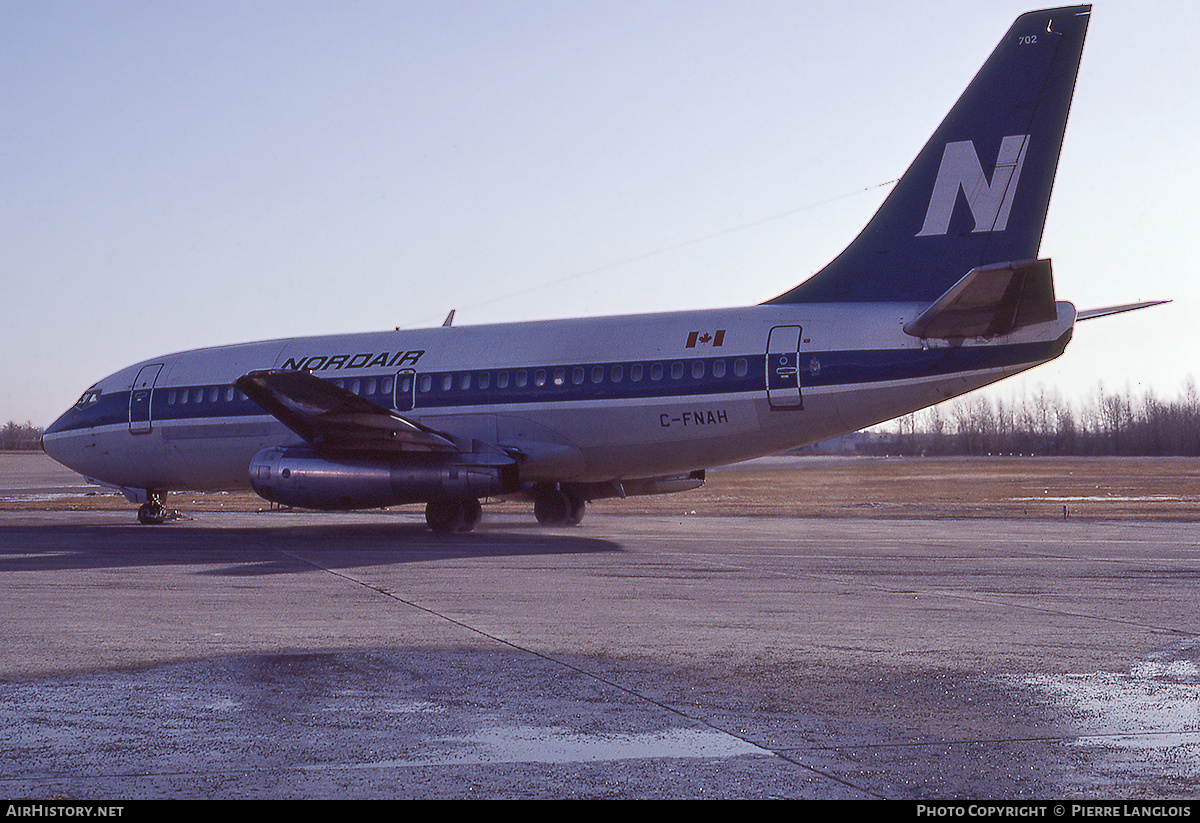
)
(204, 394)
(380, 388)
(576, 376)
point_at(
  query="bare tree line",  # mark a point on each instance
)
(20, 437)
(1046, 424)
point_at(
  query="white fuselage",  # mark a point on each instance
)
(584, 400)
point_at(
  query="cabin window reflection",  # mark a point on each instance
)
(386, 385)
(521, 379)
(465, 382)
(656, 371)
(426, 383)
(676, 371)
(577, 375)
(597, 374)
(739, 367)
(635, 372)
(560, 376)
(718, 368)
(485, 379)
(616, 374)
(502, 380)
(698, 369)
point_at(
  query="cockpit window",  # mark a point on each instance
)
(89, 397)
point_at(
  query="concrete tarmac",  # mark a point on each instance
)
(284, 655)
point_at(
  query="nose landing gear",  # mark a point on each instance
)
(154, 513)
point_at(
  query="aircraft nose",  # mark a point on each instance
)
(54, 440)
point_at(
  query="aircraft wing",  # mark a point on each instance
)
(333, 418)
(990, 301)
(1092, 314)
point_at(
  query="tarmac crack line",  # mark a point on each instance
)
(783, 755)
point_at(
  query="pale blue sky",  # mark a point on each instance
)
(186, 174)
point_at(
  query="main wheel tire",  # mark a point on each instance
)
(472, 514)
(578, 510)
(452, 516)
(552, 508)
(444, 516)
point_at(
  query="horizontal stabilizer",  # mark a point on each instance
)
(333, 418)
(1092, 314)
(990, 301)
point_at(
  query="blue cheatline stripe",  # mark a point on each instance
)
(695, 377)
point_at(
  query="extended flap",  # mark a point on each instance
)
(990, 301)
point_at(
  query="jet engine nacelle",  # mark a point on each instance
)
(299, 476)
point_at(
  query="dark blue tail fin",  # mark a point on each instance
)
(977, 193)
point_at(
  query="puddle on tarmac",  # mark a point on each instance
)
(1154, 708)
(550, 744)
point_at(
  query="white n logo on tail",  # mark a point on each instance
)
(990, 203)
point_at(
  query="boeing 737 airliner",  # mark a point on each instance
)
(941, 293)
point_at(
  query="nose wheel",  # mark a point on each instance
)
(154, 513)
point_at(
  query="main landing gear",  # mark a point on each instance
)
(555, 507)
(450, 516)
(552, 506)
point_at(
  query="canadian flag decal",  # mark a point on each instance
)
(705, 338)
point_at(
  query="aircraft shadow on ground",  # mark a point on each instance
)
(276, 549)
